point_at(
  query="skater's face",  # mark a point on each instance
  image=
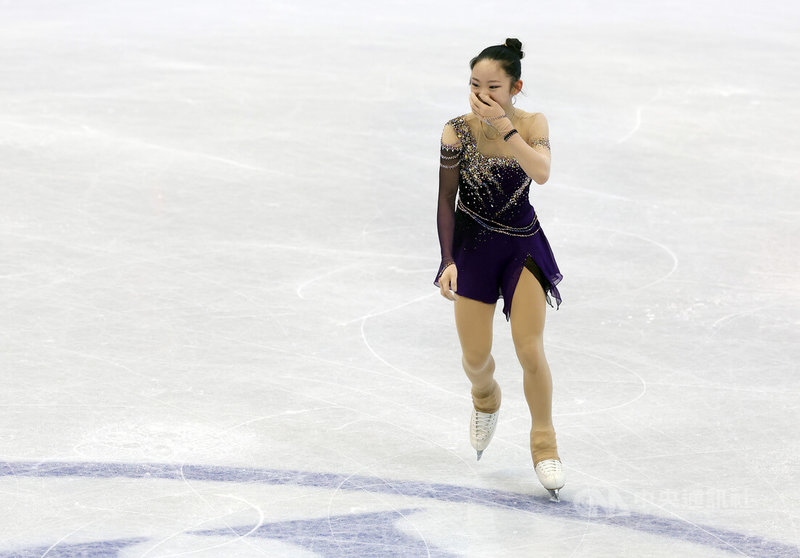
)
(489, 79)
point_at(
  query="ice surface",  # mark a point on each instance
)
(219, 334)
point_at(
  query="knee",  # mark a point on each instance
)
(476, 362)
(530, 355)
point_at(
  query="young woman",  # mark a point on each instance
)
(492, 246)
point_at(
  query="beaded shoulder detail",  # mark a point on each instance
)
(456, 125)
(544, 142)
(462, 130)
(451, 152)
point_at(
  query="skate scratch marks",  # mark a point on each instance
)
(616, 363)
(663, 247)
(639, 110)
(210, 157)
(742, 313)
(649, 240)
(672, 525)
(430, 385)
(596, 193)
(627, 292)
(388, 310)
(396, 509)
(334, 252)
(316, 278)
(363, 320)
(303, 356)
(68, 535)
(388, 403)
(232, 530)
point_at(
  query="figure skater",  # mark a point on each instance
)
(493, 246)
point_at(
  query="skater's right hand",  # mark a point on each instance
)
(448, 282)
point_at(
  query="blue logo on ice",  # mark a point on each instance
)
(370, 534)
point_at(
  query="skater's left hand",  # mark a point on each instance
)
(485, 107)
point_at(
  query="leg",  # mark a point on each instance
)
(474, 325)
(527, 329)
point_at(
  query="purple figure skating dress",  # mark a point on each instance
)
(494, 231)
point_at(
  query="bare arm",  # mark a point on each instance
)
(533, 157)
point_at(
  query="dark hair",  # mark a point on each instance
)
(508, 55)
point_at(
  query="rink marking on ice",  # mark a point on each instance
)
(395, 509)
(677, 527)
(230, 528)
(615, 512)
(65, 537)
(422, 539)
(705, 529)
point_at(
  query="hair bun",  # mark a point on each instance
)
(515, 45)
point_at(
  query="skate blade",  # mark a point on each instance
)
(554, 494)
(480, 452)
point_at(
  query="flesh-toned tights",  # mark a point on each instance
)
(474, 324)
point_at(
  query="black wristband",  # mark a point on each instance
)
(511, 133)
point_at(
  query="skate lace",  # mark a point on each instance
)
(483, 424)
(549, 466)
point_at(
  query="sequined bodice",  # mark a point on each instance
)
(483, 211)
(492, 186)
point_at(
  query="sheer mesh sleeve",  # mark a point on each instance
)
(448, 188)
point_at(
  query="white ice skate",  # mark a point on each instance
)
(551, 475)
(481, 430)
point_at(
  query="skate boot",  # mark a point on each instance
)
(546, 462)
(482, 424)
(551, 475)
(481, 429)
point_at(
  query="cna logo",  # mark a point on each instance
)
(364, 534)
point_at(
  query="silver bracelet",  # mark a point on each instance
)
(490, 119)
